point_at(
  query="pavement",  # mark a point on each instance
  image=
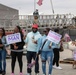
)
(67, 68)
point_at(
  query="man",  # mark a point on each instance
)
(31, 41)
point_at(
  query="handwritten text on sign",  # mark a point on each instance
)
(13, 38)
(54, 37)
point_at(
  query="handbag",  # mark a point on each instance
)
(61, 48)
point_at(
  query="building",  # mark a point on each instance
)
(7, 14)
(9, 18)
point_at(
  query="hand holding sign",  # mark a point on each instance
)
(15, 47)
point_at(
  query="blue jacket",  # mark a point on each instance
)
(46, 45)
(3, 40)
(31, 46)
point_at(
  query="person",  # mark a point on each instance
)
(36, 16)
(15, 53)
(73, 43)
(2, 52)
(46, 52)
(31, 41)
(74, 57)
(67, 37)
(56, 54)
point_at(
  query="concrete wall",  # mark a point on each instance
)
(8, 13)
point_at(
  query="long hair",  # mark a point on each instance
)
(3, 31)
(20, 30)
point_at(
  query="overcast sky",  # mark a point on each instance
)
(27, 6)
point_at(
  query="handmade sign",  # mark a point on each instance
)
(54, 37)
(13, 38)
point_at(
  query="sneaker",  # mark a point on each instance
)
(59, 68)
(44, 74)
(3, 73)
(12, 73)
(54, 66)
(36, 73)
(0, 72)
(21, 73)
(28, 74)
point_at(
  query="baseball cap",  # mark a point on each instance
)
(35, 26)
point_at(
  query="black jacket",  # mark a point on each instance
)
(19, 44)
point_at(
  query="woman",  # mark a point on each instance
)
(2, 52)
(15, 53)
(56, 51)
(46, 52)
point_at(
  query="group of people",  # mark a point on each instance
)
(16, 46)
(35, 42)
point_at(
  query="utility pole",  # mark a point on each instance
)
(52, 6)
(34, 5)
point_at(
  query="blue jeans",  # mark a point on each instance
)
(3, 60)
(47, 55)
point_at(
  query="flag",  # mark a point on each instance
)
(39, 2)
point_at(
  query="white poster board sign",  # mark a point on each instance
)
(13, 38)
(54, 37)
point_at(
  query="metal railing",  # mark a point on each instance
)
(25, 21)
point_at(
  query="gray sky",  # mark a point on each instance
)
(27, 6)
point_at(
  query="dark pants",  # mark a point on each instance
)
(56, 57)
(19, 57)
(31, 55)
